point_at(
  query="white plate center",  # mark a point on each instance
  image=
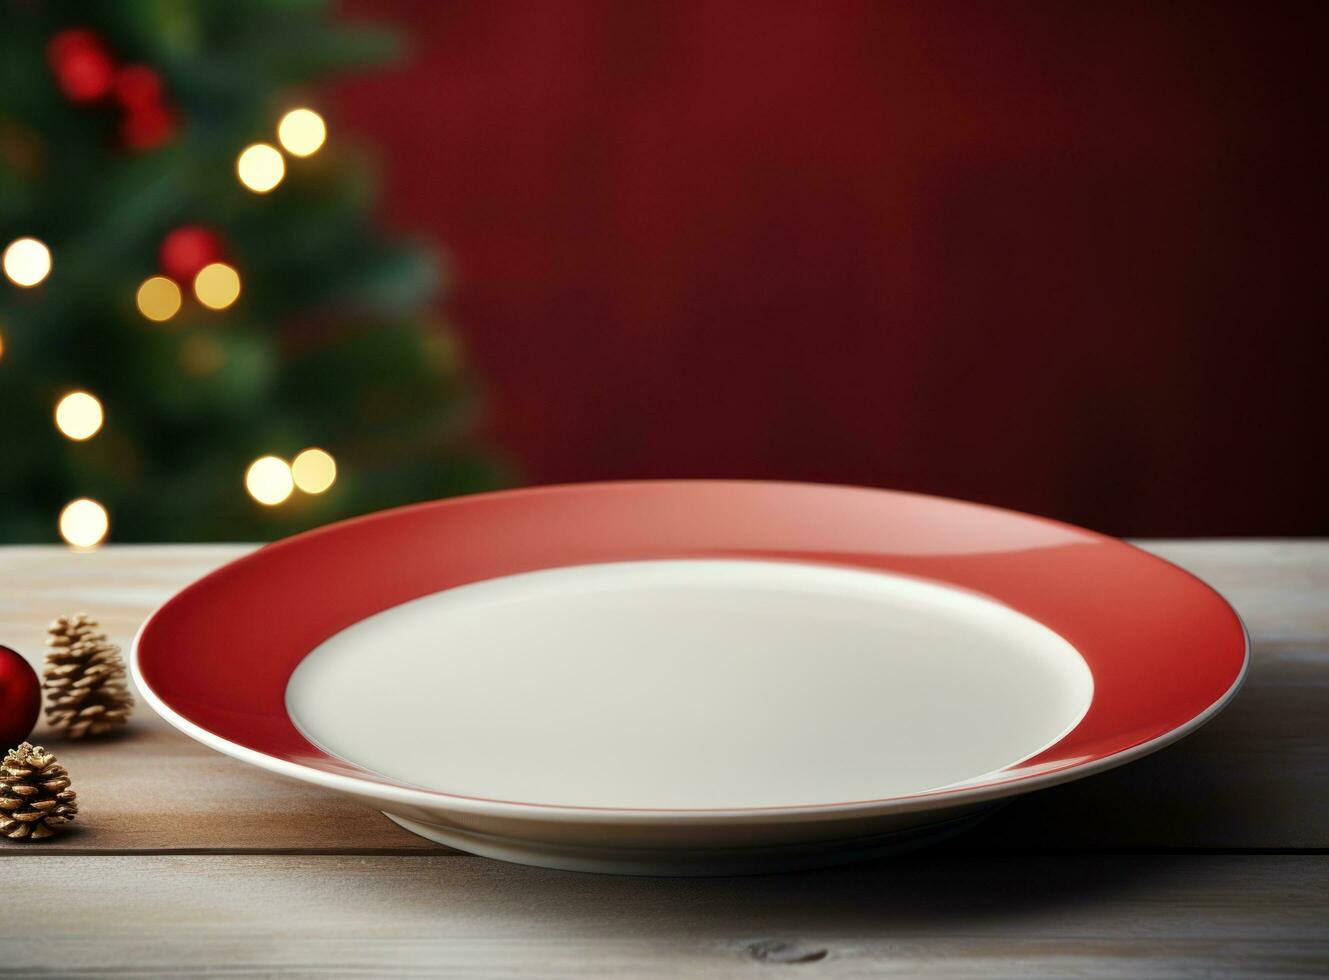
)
(707, 683)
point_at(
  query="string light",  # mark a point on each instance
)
(27, 262)
(78, 415)
(314, 470)
(260, 167)
(84, 523)
(217, 285)
(158, 298)
(301, 132)
(269, 481)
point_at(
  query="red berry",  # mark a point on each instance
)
(20, 698)
(138, 87)
(81, 64)
(187, 250)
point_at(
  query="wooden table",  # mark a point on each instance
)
(1208, 857)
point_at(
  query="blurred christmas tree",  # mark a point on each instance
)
(193, 283)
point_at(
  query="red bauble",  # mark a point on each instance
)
(82, 66)
(187, 250)
(20, 698)
(138, 87)
(147, 126)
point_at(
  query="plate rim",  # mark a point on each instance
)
(395, 792)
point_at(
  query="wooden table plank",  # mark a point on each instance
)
(948, 915)
(1255, 778)
(152, 788)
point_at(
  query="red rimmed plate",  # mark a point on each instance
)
(691, 676)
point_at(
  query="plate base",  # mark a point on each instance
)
(702, 862)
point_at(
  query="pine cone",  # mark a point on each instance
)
(35, 795)
(84, 678)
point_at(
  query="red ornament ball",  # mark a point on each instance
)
(147, 126)
(82, 66)
(20, 698)
(187, 250)
(138, 87)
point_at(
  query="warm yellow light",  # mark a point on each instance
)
(159, 298)
(217, 285)
(2, 347)
(260, 167)
(78, 415)
(83, 523)
(268, 480)
(314, 470)
(27, 262)
(301, 132)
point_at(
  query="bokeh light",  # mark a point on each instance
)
(314, 470)
(201, 355)
(301, 132)
(78, 415)
(260, 167)
(268, 480)
(217, 285)
(84, 523)
(159, 298)
(27, 262)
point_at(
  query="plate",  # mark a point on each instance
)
(691, 677)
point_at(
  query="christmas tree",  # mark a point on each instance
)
(202, 334)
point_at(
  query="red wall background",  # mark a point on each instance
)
(1061, 257)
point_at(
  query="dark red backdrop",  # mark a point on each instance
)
(1061, 257)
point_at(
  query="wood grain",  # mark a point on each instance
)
(187, 862)
(1103, 916)
(152, 788)
(1255, 778)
